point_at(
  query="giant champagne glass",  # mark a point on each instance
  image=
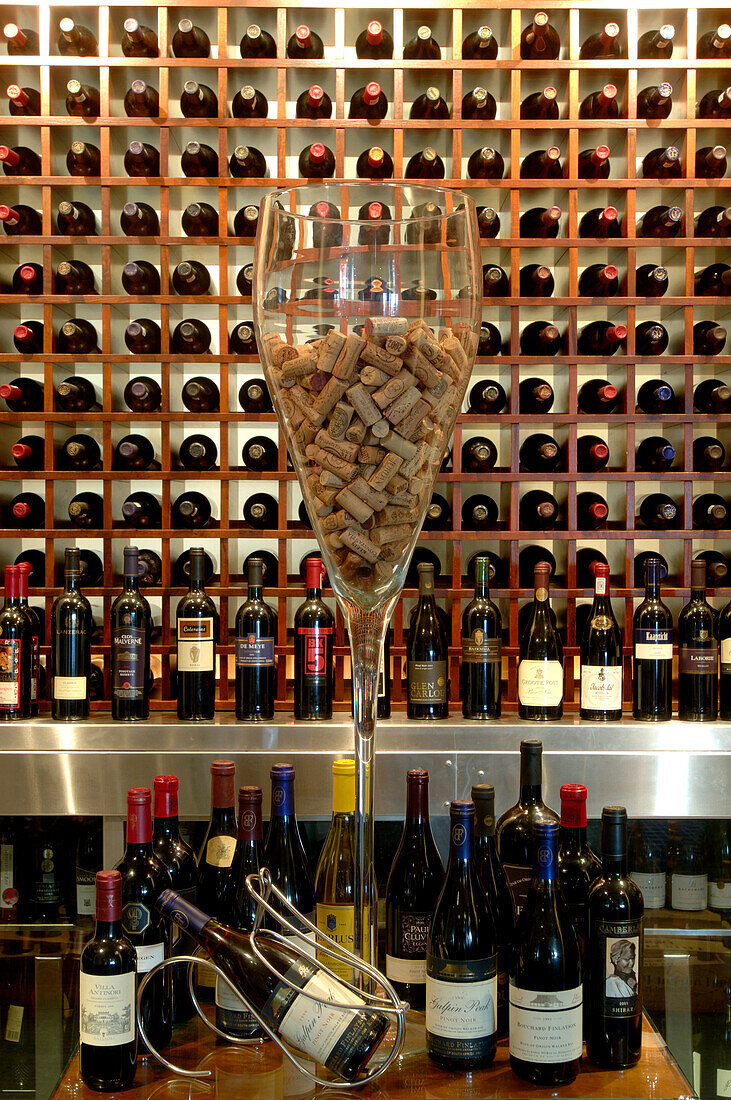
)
(367, 303)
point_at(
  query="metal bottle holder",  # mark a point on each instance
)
(389, 1005)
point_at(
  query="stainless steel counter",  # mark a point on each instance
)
(670, 770)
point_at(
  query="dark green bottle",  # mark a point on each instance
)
(131, 630)
(71, 627)
(256, 636)
(427, 655)
(196, 630)
(481, 649)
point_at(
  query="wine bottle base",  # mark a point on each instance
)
(652, 717)
(601, 716)
(556, 1073)
(697, 717)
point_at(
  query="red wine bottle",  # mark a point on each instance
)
(20, 220)
(594, 163)
(479, 455)
(142, 509)
(201, 394)
(414, 881)
(246, 221)
(219, 844)
(657, 44)
(697, 653)
(138, 219)
(19, 160)
(82, 100)
(138, 40)
(16, 640)
(191, 277)
(540, 221)
(710, 512)
(710, 162)
(142, 336)
(591, 511)
(656, 396)
(21, 42)
(479, 513)
(28, 279)
(74, 277)
(243, 280)
(479, 104)
(662, 163)
(305, 44)
(599, 281)
(486, 163)
(198, 100)
(191, 338)
(131, 627)
(257, 43)
(601, 338)
(256, 633)
(606, 43)
(134, 452)
(429, 104)
(539, 453)
(71, 626)
(541, 104)
(199, 159)
(190, 41)
(540, 338)
(28, 338)
(714, 221)
(141, 159)
(542, 164)
(141, 100)
(495, 282)
(29, 452)
(140, 277)
(536, 281)
(661, 221)
(654, 454)
(651, 338)
(23, 101)
(481, 650)
(655, 102)
(314, 630)
(715, 104)
(75, 40)
(539, 41)
(87, 510)
(709, 454)
(600, 223)
(314, 102)
(142, 394)
(658, 512)
(538, 510)
(107, 984)
(713, 280)
(374, 43)
(27, 510)
(190, 509)
(22, 395)
(316, 161)
(709, 338)
(369, 102)
(515, 828)
(535, 395)
(597, 396)
(374, 164)
(249, 102)
(600, 104)
(196, 633)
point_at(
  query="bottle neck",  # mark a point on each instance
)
(223, 819)
(417, 804)
(72, 581)
(255, 592)
(131, 584)
(313, 593)
(461, 844)
(108, 929)
(572, 838)
(282, 801)
(138, 848)
(614, 865)
(530, 780)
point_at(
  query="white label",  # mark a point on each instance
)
(601, 687)
(227, 999)
(652, 885)
(719, 895)
(107, 1009)
(723, 1082)
(69, 687)
(540, 683)
(726, 651)
(600, 588)
(205, 978)
(696, 1073)
(412, 971)
(688, 891)
(86, 901)
(148, 956)
(8, 893)
(196, 645)
(545, 1027)
(653, 651)
(312, 1028)
(14, 1023)
(461, 1010)
(306, 942)
(220, 851)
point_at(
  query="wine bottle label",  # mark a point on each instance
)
(519, 878)
(14, 1024)
(232, 1014)
(35, 659)
(181, 942)
(540, 683)
(85, 899)
(107, 1009)
(337, 922)
(315, 650)
(654, 645)
(10, 672)
(253, 652)
(698, 662)
(461, 1006)
(69, 687)
(412, 934)
(617, 947)
(329, 1035)
(723, 1082)
(8, 893)
(688, 892)
(149, 955)
(196, 646)
(128, 662)
(545, 1027)
(478, 649)
(726, 657)
(652, 885)
(48, 889)
(601, 687)
(220, 851)
(427, 681)
(135, 918)
(719, 895)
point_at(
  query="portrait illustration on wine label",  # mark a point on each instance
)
(622, 967)
(10, 672)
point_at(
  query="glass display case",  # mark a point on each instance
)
(63, 805)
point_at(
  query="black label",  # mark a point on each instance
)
(478, 650)
(427, 681)
(253, 652)
(413, 934)
(518, 877)
(698, 662)
(128, 647)
(618, 945)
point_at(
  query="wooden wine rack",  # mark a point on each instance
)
(281, 137)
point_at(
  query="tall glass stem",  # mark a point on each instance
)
(367, 634)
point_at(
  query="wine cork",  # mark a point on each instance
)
(321, 509)
(393, 388)
(328, 398)
(456, 352)
(397, 484)
(359, 543)
(373, 497)
(393, 550)
(354, 504)
(338, 466)
(327, 496)
(329, 480)
(278, 350)
(305, 406)
(411, 423)
(380, 429)
(304, 434)
(357, 431)
(373, 376)
(388, 467)
(382, 535)
(374, 356)
(302, 363)
(329, 350)
(399, 408)
(363, 403)
(341, 416)
(385, 326)
(338, 521)
(396, 345)
(370, 455)
(347, 451)
(427, 373)
(428, 346)
(400, 446)
(333, 541)
(407, 501)
(346, 361)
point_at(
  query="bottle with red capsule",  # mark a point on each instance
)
(374, 164)
(540, 40)
(373, 230)
(29, 452)
(28, 279)
(368, 102)
(601, 338)
(591, 511)
(374, 43)
(305, 44)
(20, 220)
(597, 396)
(594, 163)
(540, 221)
(21, 41)
(655, 102)
(600, 223)
(19, 161)
(28, 337)
(27, 510)
(599, 281)
(316, 161)
(23, 101)
(606, 43)
(327, 232)
(601, 104)
(16, 646)
(22, 395)
(592, 454)
(314, 102)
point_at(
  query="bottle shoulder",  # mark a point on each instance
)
(108, 956)
(615, 896)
